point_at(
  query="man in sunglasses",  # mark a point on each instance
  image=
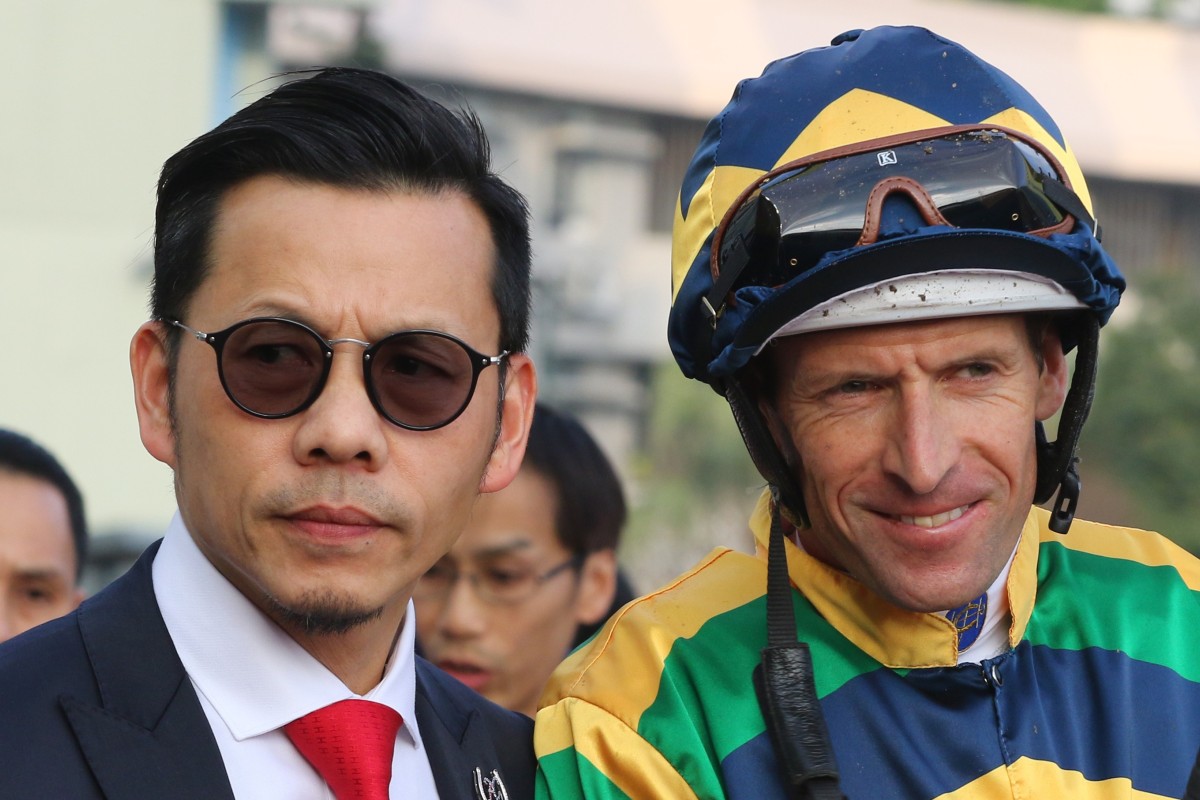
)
(335, 372)
(884, 252)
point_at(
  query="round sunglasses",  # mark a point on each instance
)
(417, 379)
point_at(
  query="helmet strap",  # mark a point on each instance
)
(1057, 460)
(764, 451)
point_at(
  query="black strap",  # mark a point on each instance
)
(1068, 201)
(787, 693)
(765, 454)
(1057, 460)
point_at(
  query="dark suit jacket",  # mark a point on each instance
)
(97, 705)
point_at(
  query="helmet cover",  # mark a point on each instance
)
(867, 86)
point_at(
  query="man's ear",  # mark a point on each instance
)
(520, 392)
(597, 586)
(1055, 376)
(151, 389)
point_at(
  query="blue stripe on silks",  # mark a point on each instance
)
(1100, 696)
(752, 772)
(939, 730)
(1078, 709)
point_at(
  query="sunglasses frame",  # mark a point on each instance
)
(218, 339)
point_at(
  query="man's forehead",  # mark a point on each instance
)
(319, 254)
(36, 521)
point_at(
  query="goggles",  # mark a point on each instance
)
(274, 368)
(963, 177)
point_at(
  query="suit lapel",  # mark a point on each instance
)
(148, 736)
(446, 735)
(456, 741)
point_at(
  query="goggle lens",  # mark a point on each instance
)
(976, 179)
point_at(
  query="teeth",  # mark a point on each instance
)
(935, 520)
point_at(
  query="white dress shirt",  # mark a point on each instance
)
(252, 679)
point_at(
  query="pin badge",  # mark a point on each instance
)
(489, 787)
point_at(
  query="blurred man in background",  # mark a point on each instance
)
(535, 568)
(43, 536)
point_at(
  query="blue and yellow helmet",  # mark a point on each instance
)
(995, 217)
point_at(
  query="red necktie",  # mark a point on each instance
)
(350, 744)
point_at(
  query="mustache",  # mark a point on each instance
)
(337, 491)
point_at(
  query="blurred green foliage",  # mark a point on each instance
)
(695, 457)
(1144, 429)
(693, 483)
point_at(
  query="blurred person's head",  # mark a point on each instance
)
(536, 562)
(43, 536)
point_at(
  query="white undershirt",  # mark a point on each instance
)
(252, 678)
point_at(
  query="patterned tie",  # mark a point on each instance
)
(969, 619)
(350, 744)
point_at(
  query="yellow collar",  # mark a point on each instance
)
(894, 636)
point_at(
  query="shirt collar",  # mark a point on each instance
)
(253, 674)
(894, 636)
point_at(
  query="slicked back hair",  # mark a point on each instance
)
(348, 128)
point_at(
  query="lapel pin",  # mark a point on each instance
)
(489, 787)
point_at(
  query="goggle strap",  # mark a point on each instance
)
(714, 300)
(897, 184)
(1068, 201)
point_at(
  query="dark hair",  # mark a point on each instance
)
(591, 504)
(23, 456)
(344, 127)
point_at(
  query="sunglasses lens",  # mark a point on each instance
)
(421, 380)
(271, 367)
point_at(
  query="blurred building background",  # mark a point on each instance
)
(594, 110)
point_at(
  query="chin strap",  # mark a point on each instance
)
(765, 454)
(1057, 462)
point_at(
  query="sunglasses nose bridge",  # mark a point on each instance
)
(348, 340)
